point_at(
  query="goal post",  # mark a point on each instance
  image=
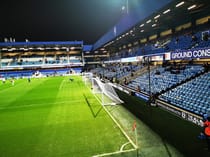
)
(87, 78)
(104, 92)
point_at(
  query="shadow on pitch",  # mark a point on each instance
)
(94, 113)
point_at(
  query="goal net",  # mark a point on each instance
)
(87, 78)
(104, 92)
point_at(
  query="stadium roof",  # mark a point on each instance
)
(170, 16)
(40, 46)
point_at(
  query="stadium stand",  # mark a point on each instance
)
(161, 78)
(116, 70)
(174, 42)
(168, 82)
(193, 96)
(44, 72)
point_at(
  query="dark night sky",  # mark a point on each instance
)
(58, 20)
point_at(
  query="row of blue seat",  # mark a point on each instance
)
(164, 80)
(193, 95)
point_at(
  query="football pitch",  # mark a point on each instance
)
(54, 117)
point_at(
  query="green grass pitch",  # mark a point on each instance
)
(51, 117)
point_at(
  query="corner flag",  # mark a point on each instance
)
(134, 129)
(134, 126)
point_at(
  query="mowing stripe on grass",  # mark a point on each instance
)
(61, 85)
(41, 104)
(65, 127)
